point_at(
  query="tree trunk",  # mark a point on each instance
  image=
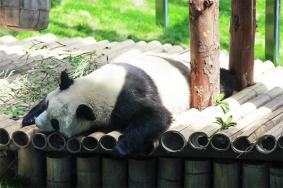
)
(204, 47)
(242, 31)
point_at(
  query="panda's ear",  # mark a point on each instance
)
(85, 112)
(66, 82)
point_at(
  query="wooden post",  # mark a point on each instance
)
(204, 47)
(242, 32)
(89, 172)
(31, 166)
(255, 175)
(59, 172)
(170, 173)
(226, 174)
(142, 173)
(161, 12)
(114, 173)
(197, 173)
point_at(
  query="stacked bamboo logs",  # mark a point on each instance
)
(21, 15)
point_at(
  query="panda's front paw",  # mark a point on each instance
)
(120, 151)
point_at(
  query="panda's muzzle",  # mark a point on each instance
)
(55, 124)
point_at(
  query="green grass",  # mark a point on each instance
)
(121, 19)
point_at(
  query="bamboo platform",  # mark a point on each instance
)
(257, 135)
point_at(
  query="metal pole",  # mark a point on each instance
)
(272, 31)
(161, 12)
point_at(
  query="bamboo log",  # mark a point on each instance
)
(275, 176)
(222, 140)
(90, 143)
(59, 172)
(255, 175)
(197, 173)
(22, 137)
(109, 141)
(226, 174)
(114, 173)
(73, 145)
(250, 134)
(7, 128)
(89, 172)
(170, 173)
(56, 141)
(142, 173)
(31, 166)
(39, 141)
(280, 141)
(268, 142)
(6, 159)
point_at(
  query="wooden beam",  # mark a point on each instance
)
(242, 32)
(204, 47)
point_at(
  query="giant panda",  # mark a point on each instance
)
(139, 97)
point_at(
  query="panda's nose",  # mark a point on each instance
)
(55, 124)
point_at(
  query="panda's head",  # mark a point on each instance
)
(65, 110)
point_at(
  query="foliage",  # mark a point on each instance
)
(223, 104)
(225, 124)
(121, 19)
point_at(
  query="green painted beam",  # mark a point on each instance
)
(161, 12)
(272, 31)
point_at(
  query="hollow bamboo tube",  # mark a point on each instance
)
(89, 172)
(268, 142)
(226, 174)
(7, 127)
(172, 140)
(108, 141)
(275, 176)
(197, 173)
(56, 141)
(252, 132)
(22, 137)
(114, 173)
(59, 172)
(31, 166)
(255, 175)
(280, 142)
(73, 145)
(90, 143)
(5, 160)
(142, 173)
(221, 141)
(200, 139)
(39, 141)
(170, 172)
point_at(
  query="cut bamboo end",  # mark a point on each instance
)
(220, 142)
(242, 145)
(280, 142)
(90, 143)
(73, 145)
(39, 141)
(199, 140)
(266, 144)
(173, 141)
(109, 141)
(56, 141)
(22, 137)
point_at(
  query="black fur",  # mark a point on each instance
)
(228, 83)
(66, 82)
(139, 113)
(85, 112)
(29, 119)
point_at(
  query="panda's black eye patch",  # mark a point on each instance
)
(55, 124)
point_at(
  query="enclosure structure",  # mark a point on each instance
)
(195, 152)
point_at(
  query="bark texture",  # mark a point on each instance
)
(204, 47)
(242, 31)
